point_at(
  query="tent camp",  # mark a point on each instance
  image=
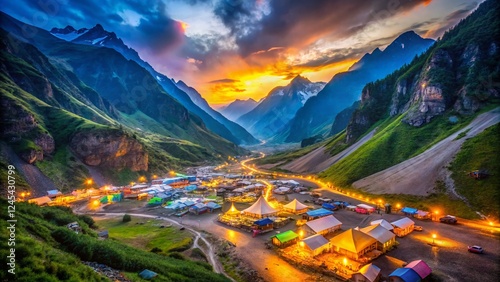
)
(353, 243)
(420, 267)
(368, 273)
(318, 213)
(385, 238)
(285, 239)
(403, 226)
(323, 225)
(404, 275)
(260, 209)
(315, 245)
(295, 207)
(386, 224)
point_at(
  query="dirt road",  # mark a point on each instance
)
(418, 175)
(320, 159)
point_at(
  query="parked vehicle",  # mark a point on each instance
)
(475, 249)
(448, 219)
(418, 228)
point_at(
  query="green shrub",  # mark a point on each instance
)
(126, 218)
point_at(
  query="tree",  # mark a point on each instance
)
(126, 218)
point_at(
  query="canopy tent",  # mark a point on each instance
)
(263, 222)
(295, 207)
(324, 225)
(284, 239)
(319, 213)
(316, 244)
(353, 243)
(260, 209)
(409, 210)
(403, 223)
(420, 267)
(385, 238)
(404, 274)
(370, 272)
(233, 210)
(384, 223)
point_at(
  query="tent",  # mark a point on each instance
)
(323, 225)
(316, 244)
(285, 239)
(384, 223)
(385, 238)
(213, 206)
(260, 209)
(295, 207)
(318, 213)
(368, 273)
(403, 226)
(420, 267)
(40, 201)
(423, 215)
(408, 210)
(233, 210)
(53, 193)
(155, 201)
(353, 243)
(404, 275)
(147, 274)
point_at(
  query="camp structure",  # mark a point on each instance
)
(314, 214)
(285, 239)
(315, 245)
(368, 273)
(404, 275)
(420, 267)
(260, 209)
(213, 206)
(409, 211)
(233, 211)
(262, 225)
(323, 225)
(53, 193)
(403, 226)
(155, 201)
(353, 243)
(385, 238)
(295, 207)
(364, 209)
(384, 223)
(40, 201)
(423, 215)
(198, 208)
(147, 274)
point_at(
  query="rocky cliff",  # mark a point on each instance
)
(109, 149)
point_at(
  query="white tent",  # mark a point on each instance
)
(260, 209)
(295, 207)
(385, 238)
(384, 224)
(316, 244)
(368, 273)
(324, 225)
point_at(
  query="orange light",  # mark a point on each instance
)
(89, 181)
(434, 236)
(491, 223)
(301, 244)
(301, 233)
(23, 194)
(96, 202)
(345, 261)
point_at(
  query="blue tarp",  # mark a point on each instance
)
(409, 210)
(213, 205)
(406, 274)
(190, 188)
(319, 212)
(264, 221)
(147, 274)
(329, 206)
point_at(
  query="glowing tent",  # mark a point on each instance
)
(295, 207)
(260, 209)
(353, 243)
(233, 210)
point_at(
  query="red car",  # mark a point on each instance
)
(475, 249)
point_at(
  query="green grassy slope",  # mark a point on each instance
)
(48, 251)
(480, 152)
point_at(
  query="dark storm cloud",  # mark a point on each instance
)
(298, 22)
(452, 18)
(155, 33)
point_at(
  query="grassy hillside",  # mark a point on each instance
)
(480, 152)
(48, 251)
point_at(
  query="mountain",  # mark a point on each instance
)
(342, 119)
(71, 108)
(236, 129)
(237, 108)
(279, 107)
(99, 37)
(318, 113)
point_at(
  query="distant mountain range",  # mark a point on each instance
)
(238, 108)
(279, 107)
(318, 113)
(193, 101)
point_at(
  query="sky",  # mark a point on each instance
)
(237, 49)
